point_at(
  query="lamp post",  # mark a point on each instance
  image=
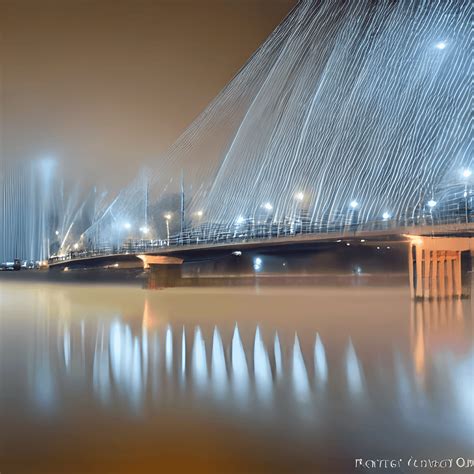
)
(466, 175)
(167, 220)
(299, 196)
(432, 204)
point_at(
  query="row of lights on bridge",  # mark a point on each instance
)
(299, 196)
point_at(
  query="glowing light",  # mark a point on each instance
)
(168, 216)
(432, 203)
(144, 230)
(199, 213)
(57, 232)
(320, 363)
(239, 368)
(385, 216)
(268, 206)
(237, 253)
(299, 196)
(127, 226)
(441, 45)
(240, 220)
(76, 246)
(354, 204)
(466, 173)
(362, 240)
(257, 264)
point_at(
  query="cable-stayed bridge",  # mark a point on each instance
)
(352, 115)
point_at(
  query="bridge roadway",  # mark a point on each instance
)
(189, 252)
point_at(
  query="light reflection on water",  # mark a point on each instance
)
(345, 368)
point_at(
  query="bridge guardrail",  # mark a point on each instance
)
(254, 233)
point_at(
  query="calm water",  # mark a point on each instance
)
(120, 379)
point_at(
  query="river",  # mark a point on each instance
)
(115, 378)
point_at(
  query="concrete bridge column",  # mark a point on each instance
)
(165, 272)
(457, 274)
(428, 282)
(434, 274)
(435, 266)
(449, 275)
(442, 273)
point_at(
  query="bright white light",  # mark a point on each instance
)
(440, 45)
(432, 203)
(76, 246)
(199, 213)
(144, 230)
(386, 215)
(362, 240)
(168, 216)
(257, 264)
(299, 196)
(354, 204)
(467, 173)
(268, 206)
(240, 220)
(57, 232)
(237, 253)
(127, 225)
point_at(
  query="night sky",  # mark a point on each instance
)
(106, 86)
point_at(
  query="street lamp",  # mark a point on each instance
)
(268, 206)
(441, 45)
(432, 204)
(466, 174)
(299, 196)
(354, 204)
(385, 216)
(167, 219)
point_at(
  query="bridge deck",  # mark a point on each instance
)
(400, 234)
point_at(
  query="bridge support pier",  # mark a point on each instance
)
(164, 276)
(435, 266)
(165, 272)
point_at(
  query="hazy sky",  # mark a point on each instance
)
(106, 85)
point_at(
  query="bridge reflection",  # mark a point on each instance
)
(155, 362)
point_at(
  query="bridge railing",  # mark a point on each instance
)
(250, 231)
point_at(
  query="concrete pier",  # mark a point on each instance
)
(165, 272)
(438, 266)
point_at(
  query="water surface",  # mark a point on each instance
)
(104, 378)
